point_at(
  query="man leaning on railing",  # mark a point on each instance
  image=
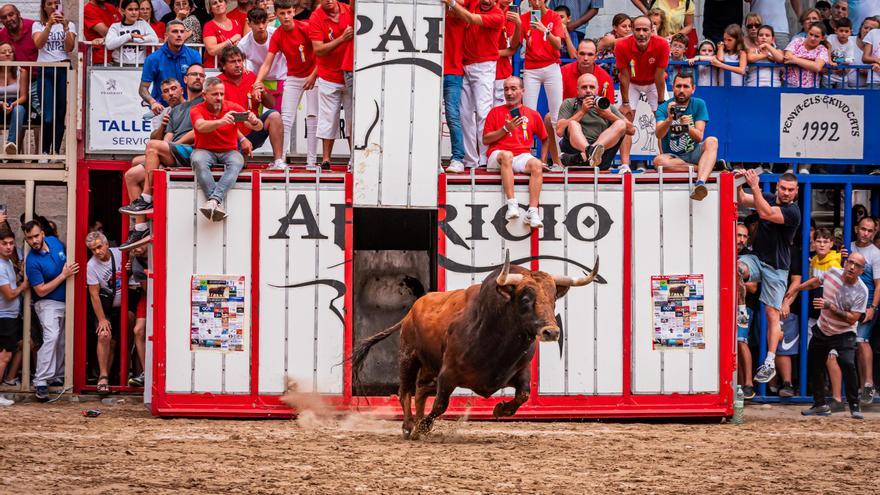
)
(171, 60)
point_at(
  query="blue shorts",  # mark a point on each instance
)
(692, 156)
(774, 281)
(258, 138)
(791, 333)
(863, 331)
(742, 333)
(181, 154)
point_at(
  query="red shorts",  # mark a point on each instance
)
(141, 310)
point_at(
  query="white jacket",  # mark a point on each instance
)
(120, 34)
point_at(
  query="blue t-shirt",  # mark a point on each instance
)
(163, 63)
(678, 141)
(8, 309)
(578, 8)
(41, 267)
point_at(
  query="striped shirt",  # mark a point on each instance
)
(847, 297)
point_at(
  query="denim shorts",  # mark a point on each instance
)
(774, 281)
(863, 332)
(742, 333)
(692, 156)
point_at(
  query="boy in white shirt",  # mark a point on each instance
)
(255, 46)
(844, 51)
(10, 304)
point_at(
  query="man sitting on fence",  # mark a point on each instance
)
(171, 60)
(591, 132)
(218, 128)
(843, 302)
(681, 125)
(172, 150)
(509, 133)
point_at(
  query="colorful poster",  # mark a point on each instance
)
(218, 313)
(678, 312)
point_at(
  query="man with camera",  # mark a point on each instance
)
(681, 126)
(590, 127)
(218, 127)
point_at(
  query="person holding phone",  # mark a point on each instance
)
(218, 138)
(510, 132)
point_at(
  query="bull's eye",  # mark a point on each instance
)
(527, 299)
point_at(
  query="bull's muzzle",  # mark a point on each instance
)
(549, 334)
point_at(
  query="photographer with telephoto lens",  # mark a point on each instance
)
(590, 127)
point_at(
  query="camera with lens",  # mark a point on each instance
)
(599, 102)
(677, 127)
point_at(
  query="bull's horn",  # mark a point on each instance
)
(505, 278)
(578, 282)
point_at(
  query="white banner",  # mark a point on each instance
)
(821, 126)
(115, 120)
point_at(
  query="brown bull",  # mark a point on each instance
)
(481, 338)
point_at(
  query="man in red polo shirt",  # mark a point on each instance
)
(508, 44)
(98, 16)
(509, 133)
(18, 33)
(479, 58)
(331, 29)
(218, 133)
(641, 59)
(242, 88)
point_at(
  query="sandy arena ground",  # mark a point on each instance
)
(54, 449)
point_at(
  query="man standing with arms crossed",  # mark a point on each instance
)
(779, 219)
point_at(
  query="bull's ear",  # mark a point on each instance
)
(561, 291)
(506, 291)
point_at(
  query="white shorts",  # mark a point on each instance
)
(650, 91)
(332, 96)
(519, 161)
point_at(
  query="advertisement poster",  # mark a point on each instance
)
(678, 312)
(218, 313)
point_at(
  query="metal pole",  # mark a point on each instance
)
(805, 275)
(26, 306)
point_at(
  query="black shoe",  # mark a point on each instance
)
(56, 382)
(42, 393)
(572, 159)
(855, 412)
(835, 405)
(137, 207)
(136, 381)
(786, 391)
(748, 392)
(136, 238)
(822, 410)
(325, 165)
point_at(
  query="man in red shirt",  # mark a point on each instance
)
(242, 88)
(479, 58)
(509, 133)
(240, 12)
(98, 16)
(218, 126)
(292, 41)
(331, 29)
(641, 59)
(18, 33)
(508, 44)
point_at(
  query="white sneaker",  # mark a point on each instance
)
(208, 208)
(624, 169)
(278, 165)
(533, 218)
(512, 213)
(804, 169)
(6, 402)
(455, 167)
(556, 168)
(11, 148)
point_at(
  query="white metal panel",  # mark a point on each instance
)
(646, 232)
(367, 157)
(707, 249)
(208, 365)
(178, 362)
(237, 366)
(272, 299)
(331, 267)
(676, 261)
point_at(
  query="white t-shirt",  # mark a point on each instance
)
(732, 59)
(8, 309)
(257, 53)
(873, 37)
(844, 53)
(124, 46)
(763, 76)
(99, 272)
(53, 50)
(773, 13)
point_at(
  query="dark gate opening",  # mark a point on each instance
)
(395, 260)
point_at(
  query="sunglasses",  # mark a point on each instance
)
(753, 26)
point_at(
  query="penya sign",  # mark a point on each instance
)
(821, 126)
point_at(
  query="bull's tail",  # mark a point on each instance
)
(359, 354)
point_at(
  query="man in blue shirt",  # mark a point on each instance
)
(47, 270)
(581, 13)
(681, 126)
(171, 60)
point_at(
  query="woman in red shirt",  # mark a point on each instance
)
(543, 39)
(147, 14)
(219, 32)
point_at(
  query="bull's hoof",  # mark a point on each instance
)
(407, 432)
(422, 428)
(501, 410)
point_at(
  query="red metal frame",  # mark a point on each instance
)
(547, 407)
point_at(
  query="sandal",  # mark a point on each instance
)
(103, 388)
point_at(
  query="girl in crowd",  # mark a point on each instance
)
(219, 32)
(866, 77)
(732, 54)
(807, 19)
(14, 92)
(543, 39)
(765, 51)
(621, 27)
(658, 19)
(678, 14)
(183, 13)
(707, 75)
(806, 57)
(752, 24)
(122, 37)
(147, 14)
(55, 38)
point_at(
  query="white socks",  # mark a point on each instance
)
(147, 197)
(770, 360)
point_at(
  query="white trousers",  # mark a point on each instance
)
(293, 94)
(50, 356)
(331, 96)
(498, 98)
(650, 91)
(477, 89)
(551, 78)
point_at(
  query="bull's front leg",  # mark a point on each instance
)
(445, 387)
(521, 382)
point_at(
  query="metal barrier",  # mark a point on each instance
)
(848, 183)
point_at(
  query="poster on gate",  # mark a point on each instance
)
(116, 114)
(218, 313)
(645, 138)
(821, 126)
(678, 306)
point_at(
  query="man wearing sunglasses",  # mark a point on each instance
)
(843, 303)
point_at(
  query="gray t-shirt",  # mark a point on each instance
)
(9, 309)
(179, 121)
(100, 272)
(591, 123)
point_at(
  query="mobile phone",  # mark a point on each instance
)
(536, 15)
(514, 112)
(59, 9)
(240, 116)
